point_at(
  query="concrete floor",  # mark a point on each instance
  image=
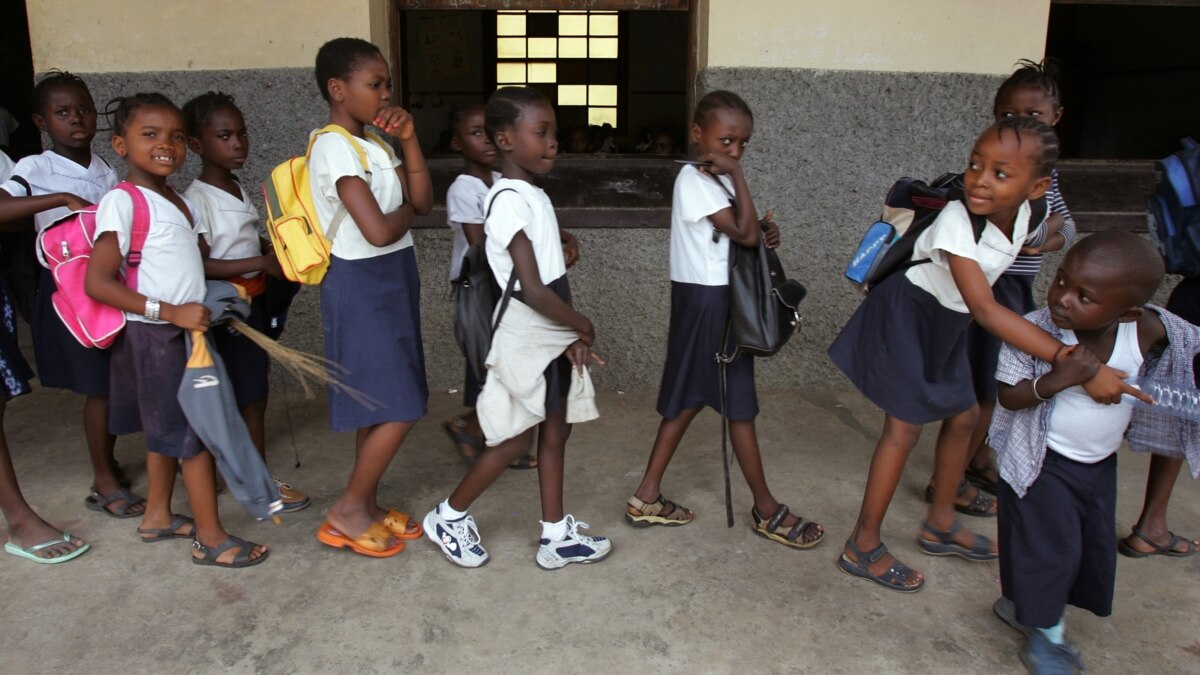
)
(701, 598)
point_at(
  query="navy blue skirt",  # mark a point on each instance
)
(62, 362)
(691, 377)
(558, 373)
(371, 317)
(14, 369)
(907, 353)
(148, 360)
(246, 363)
(1014, 291)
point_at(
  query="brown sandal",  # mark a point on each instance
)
(647, 514)
(771, 528)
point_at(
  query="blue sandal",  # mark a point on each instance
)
(893, 578)
(980, 550)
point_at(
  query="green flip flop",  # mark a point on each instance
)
(31, 553)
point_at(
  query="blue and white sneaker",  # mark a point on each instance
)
(574, 548)
(458, 539)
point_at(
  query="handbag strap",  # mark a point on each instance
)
(138, 233)
(512, 275)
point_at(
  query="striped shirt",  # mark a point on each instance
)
(1032, 264)
(1019, 436)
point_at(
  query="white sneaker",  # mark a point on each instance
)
(574, 548)
(458, 539)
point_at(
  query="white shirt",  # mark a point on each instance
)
(464, 205)
(695, 257)
(6, 166)
(529, 210)
(171, 269)
(332, 158)
(952, 233)
(231, 224)
(50, 172)
(1086, 431)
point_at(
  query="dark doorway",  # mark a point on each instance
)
(16, 78)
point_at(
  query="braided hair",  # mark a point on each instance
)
(505, 106)
(1033, 128)
(1041, 75)
(121, 109)
(53, 80)
(197, 111)
(720, 100)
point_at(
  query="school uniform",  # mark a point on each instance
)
(370, 297)
(61, 361)
(231, 231)
(905, 348)
(1058, 470)
(699, 273)
(518, 206)
(14, 370)
(464, 206)
(1014, 290)
(149, 357)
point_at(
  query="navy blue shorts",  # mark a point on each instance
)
(246, 363)
(63, 363)
(1058, 544)
(148, 360)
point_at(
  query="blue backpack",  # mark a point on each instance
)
(1172, 212)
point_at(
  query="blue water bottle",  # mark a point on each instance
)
(1171, 398)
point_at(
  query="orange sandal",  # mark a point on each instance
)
(371, 543)
(397, 522)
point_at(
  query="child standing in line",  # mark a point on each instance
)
(1031, 91)
(370, 298)
(712, 210)
(29, 536)
(905, 346)
(149, 357)
(48, 187)
(523, 239)
(232, 250)
(1057, 447)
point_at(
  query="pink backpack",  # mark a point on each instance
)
(65, 248)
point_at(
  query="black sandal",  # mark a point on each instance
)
(1168, 550)
(980, 506)
(242, 559)
(893, 578)
(979, 551)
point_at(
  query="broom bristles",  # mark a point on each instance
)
(304, 366)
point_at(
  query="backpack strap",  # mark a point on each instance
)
(23, 183)
(341, 213)
(512, 276)
(140, 230)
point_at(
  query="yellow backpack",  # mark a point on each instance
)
(302, 247)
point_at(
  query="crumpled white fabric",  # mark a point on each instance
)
(513, 397)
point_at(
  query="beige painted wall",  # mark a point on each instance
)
(966, 36)
(87, 36)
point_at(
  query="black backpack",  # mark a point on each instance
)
(1172, 212)
(475, 296)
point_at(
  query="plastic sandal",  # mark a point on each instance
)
(651, 513)
(99, 502)
(769, 529)
(980, 479)
(372, 543)
(31, 553)
(168, 532)
(980, 550)
(893, 578)
(981, 506)
(242, 559)
(1168, 550)
(397, 523)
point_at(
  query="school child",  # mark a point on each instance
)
(1057, 447)
(370, 298)
(48, 187)
(232, 250)
(523, 239)
(905, 346)
(149, 357)
(1031, 91)
(712, 210)
(29, 536)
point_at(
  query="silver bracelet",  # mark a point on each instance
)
(1036, 395)
(153, 307)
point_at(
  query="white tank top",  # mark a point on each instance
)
(1086, 431)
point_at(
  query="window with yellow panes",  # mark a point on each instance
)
(572, 56)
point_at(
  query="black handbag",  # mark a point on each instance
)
(764, 305)
(475, 296)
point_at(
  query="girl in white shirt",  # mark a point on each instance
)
(233, 250)
(149, 357)
(905, 346)
(49, 187)
(370, 297)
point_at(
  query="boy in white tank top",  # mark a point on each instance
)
(1056, 446)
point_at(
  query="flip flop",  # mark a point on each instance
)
(371, 543)
(168, 532)
(1168, 550)
(397, 523)
(31, 553)
(99, 502)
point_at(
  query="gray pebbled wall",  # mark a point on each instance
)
(826, 147)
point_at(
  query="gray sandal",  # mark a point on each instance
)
(980, 550)
(242, 559)
(168, 532)
(893, 578)
(99, 502)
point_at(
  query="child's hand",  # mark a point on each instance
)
(1108, 385)
(719, 164)
(588, 335)
(770, 230)
(570, 247)
(1073, 365)
(192, 316)
(582, 356)
(395, 122)
(74, 202)
(271, 265)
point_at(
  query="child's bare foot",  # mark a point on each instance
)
(33, 531)
(876, 564)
